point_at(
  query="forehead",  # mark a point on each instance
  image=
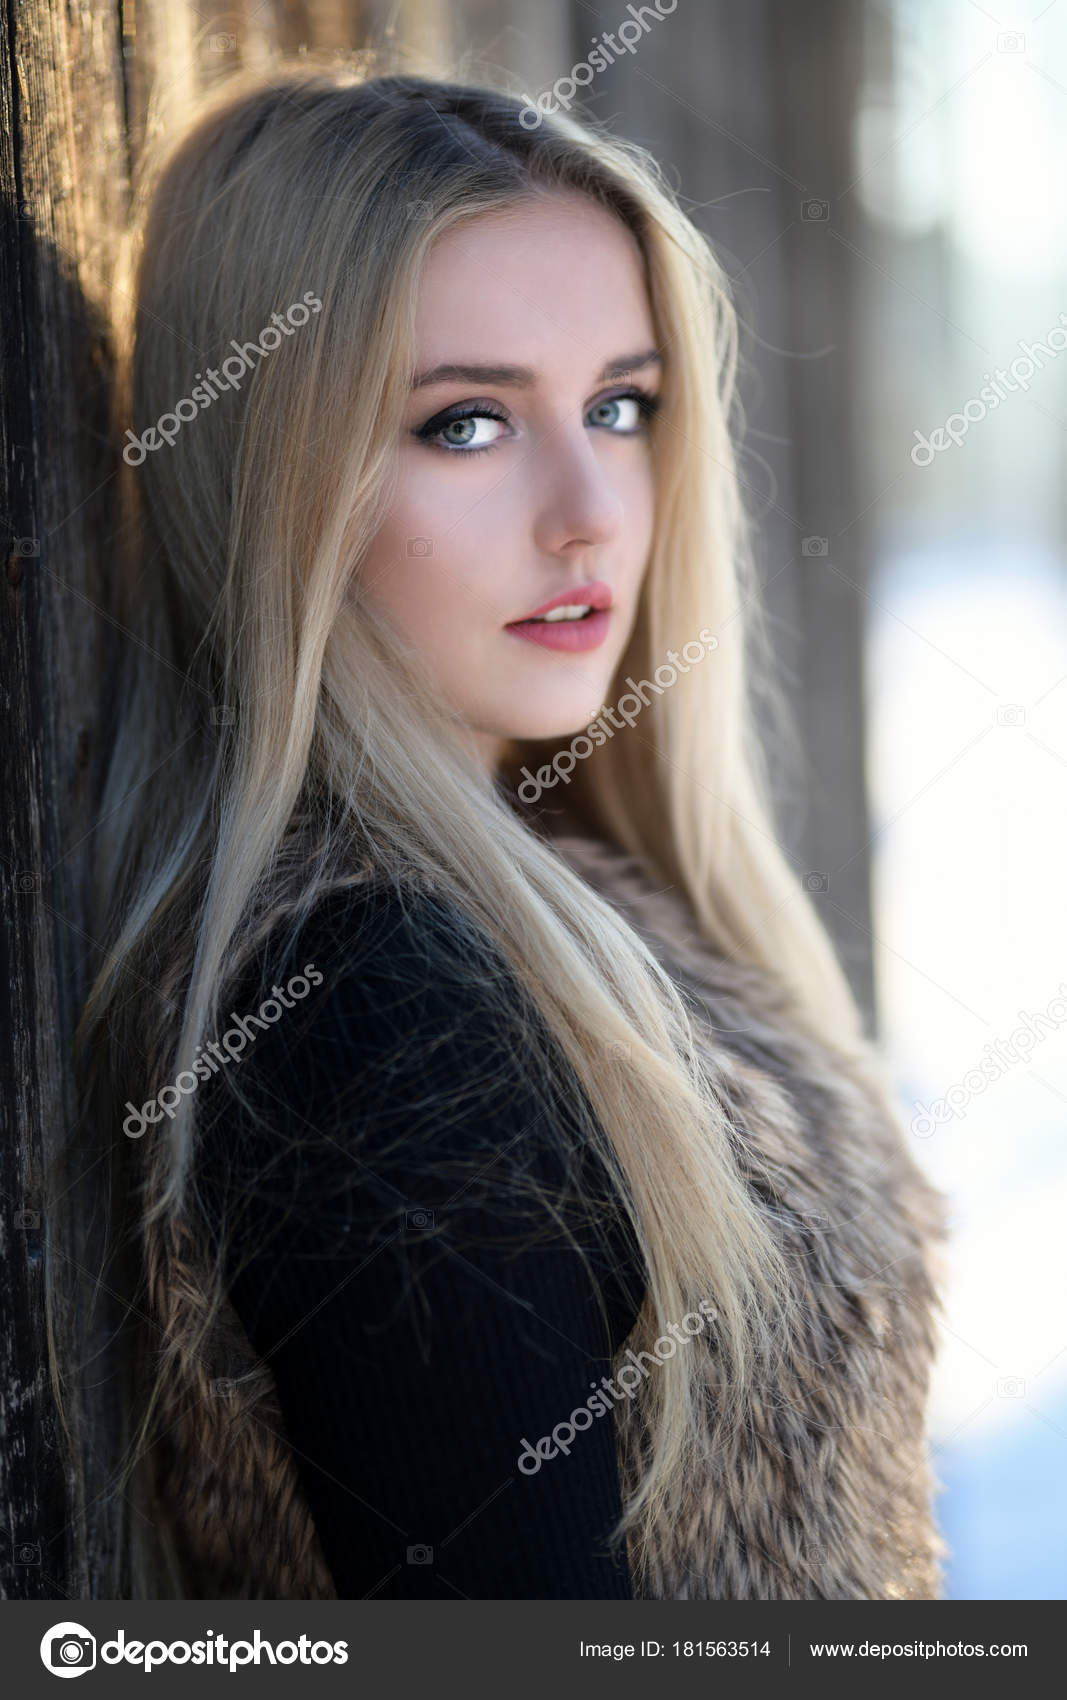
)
(548, 283)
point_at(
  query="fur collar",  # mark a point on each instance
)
(826, 1491)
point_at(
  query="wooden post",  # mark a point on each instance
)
(63, 181)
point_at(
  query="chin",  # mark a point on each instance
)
(550, 728)
(560, 717)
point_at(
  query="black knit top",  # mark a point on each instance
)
(427, 1320)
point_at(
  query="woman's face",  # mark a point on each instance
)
(525, 472)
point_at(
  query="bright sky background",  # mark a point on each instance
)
(967, 758)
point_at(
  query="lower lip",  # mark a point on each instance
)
(565, 634)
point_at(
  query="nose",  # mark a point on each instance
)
(581, 504)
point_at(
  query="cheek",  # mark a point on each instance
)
(438, 496)
(439, 554)
(426, 581)
(415, 590)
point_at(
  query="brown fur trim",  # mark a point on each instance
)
(825, 1493)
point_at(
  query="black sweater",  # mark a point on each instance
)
(426, 1320)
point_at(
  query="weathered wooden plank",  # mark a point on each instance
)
(62, 170)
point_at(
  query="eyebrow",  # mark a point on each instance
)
(523, 377)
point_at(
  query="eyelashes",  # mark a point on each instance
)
(458, 414)
(647, 406)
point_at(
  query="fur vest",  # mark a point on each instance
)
(825, 1492)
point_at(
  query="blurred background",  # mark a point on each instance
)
(881, 181)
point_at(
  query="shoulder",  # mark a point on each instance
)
(411, 1117)
(384, 947)
(380, 983)
(368, 970)
(382, 1047)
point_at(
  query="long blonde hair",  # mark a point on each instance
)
(271, 742)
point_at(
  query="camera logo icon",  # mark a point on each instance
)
(68, 1649)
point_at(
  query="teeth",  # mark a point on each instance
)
(567, 611)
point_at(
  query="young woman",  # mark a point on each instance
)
(521, 1208)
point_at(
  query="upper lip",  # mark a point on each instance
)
(594, 595)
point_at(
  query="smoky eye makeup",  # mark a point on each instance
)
(458, 414)
(461, 416)
(646, 404)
